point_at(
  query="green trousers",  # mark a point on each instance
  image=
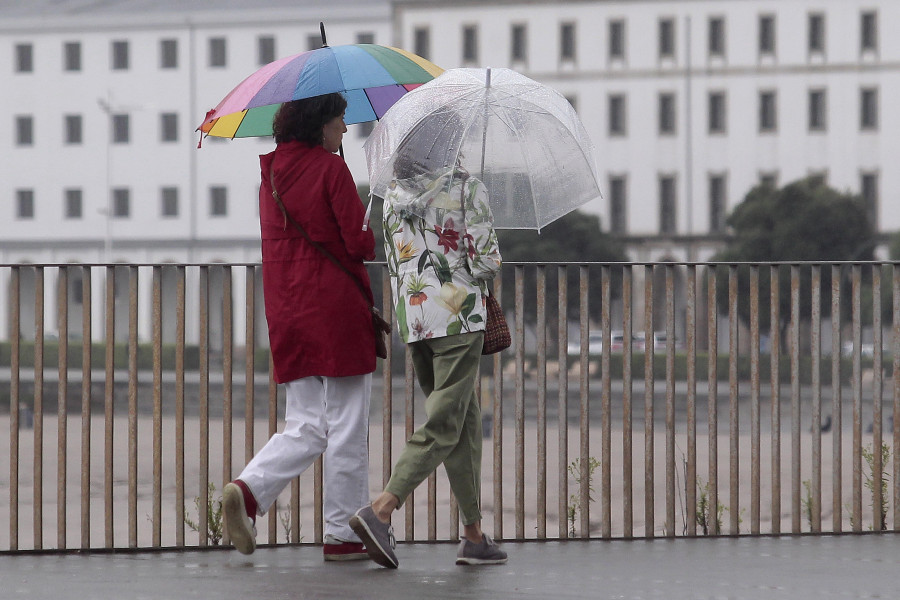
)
(446, 368)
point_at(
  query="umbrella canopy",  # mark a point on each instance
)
(521, 138)
(371, 78)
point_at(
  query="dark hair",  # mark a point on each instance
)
(302, 120)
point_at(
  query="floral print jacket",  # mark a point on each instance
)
(439, 266)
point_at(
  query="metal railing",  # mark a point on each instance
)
(149, 387)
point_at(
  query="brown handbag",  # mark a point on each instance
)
(496, 330)
(382, 328)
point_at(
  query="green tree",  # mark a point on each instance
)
(803, 221)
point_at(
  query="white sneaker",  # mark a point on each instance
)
(238, 524)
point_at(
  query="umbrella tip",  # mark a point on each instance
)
(322, 31)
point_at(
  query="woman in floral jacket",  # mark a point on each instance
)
(442, 252)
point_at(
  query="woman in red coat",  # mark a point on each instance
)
(320, 327)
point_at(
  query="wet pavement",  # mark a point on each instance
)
(800, 567)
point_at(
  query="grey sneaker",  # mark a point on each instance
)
(377, 536)
(485, 553)
(238, 524)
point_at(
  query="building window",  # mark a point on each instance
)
(169, 199)
(470, 43)
(817, 111)
(617, 39)
(716, 36)
(24, 130)
(519, 44)
(422, 42)
(666, 113)
(767, 34)
(72, 56)
(365, 37)
(567, 41)
(667, 38)
(617, 116)
(265, 49)
(73, 129)
(716, 203)
(168, 54)
(769, 180)
(218, 201)
(717, 112)
(169, 127)
(121, 133)
(868, 114)
(618, 202)
(24, 204)
(313, 41)
(120, 55)
(121, 203)
(868, 40)
(24, 58)
(817, 179)
(366, 128)
(816, 33)
(73, 208)
(768, 116)
(217, 52)
(869, 191)
(667, 204)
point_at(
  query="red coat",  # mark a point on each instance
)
(319, 322)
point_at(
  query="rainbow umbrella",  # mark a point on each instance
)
(371, 78)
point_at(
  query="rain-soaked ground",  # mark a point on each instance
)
(804, 567)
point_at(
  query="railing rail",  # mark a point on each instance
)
(688, 399)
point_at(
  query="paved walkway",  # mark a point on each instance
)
(807, 567)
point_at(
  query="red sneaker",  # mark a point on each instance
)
(335, 549)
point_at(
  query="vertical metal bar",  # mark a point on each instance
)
(454, 517)
(520, 401)
(691, 350)
(227, 372)
(250, 363)
(109, 407)
(203, 404)
(294, 508)
(836, 429)
(627, 431)
(733, 404)
(387, 408)
(584, 430)
(541, 333)
(670, 398)
(273, 429)
(775, 383)
(606, 410)
(497, 427)
(877, 458)
(132, 406)
(795, 399)
(180, 304)
(895, 371)
(711, 518)
(563, 400)
(410, 407)
(754, 400)
(38, 523)
(86, 309)
(432, 505)
(857, 399)
(15, 286)
(62, 420)
(649, 496)
(816, 351)
(318, 487)
(157, 404)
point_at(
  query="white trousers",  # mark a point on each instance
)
(327, 415)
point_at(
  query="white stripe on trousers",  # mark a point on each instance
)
(322, 414)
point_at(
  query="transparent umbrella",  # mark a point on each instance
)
(521, 138)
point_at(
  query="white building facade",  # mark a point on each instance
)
(690, 103)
